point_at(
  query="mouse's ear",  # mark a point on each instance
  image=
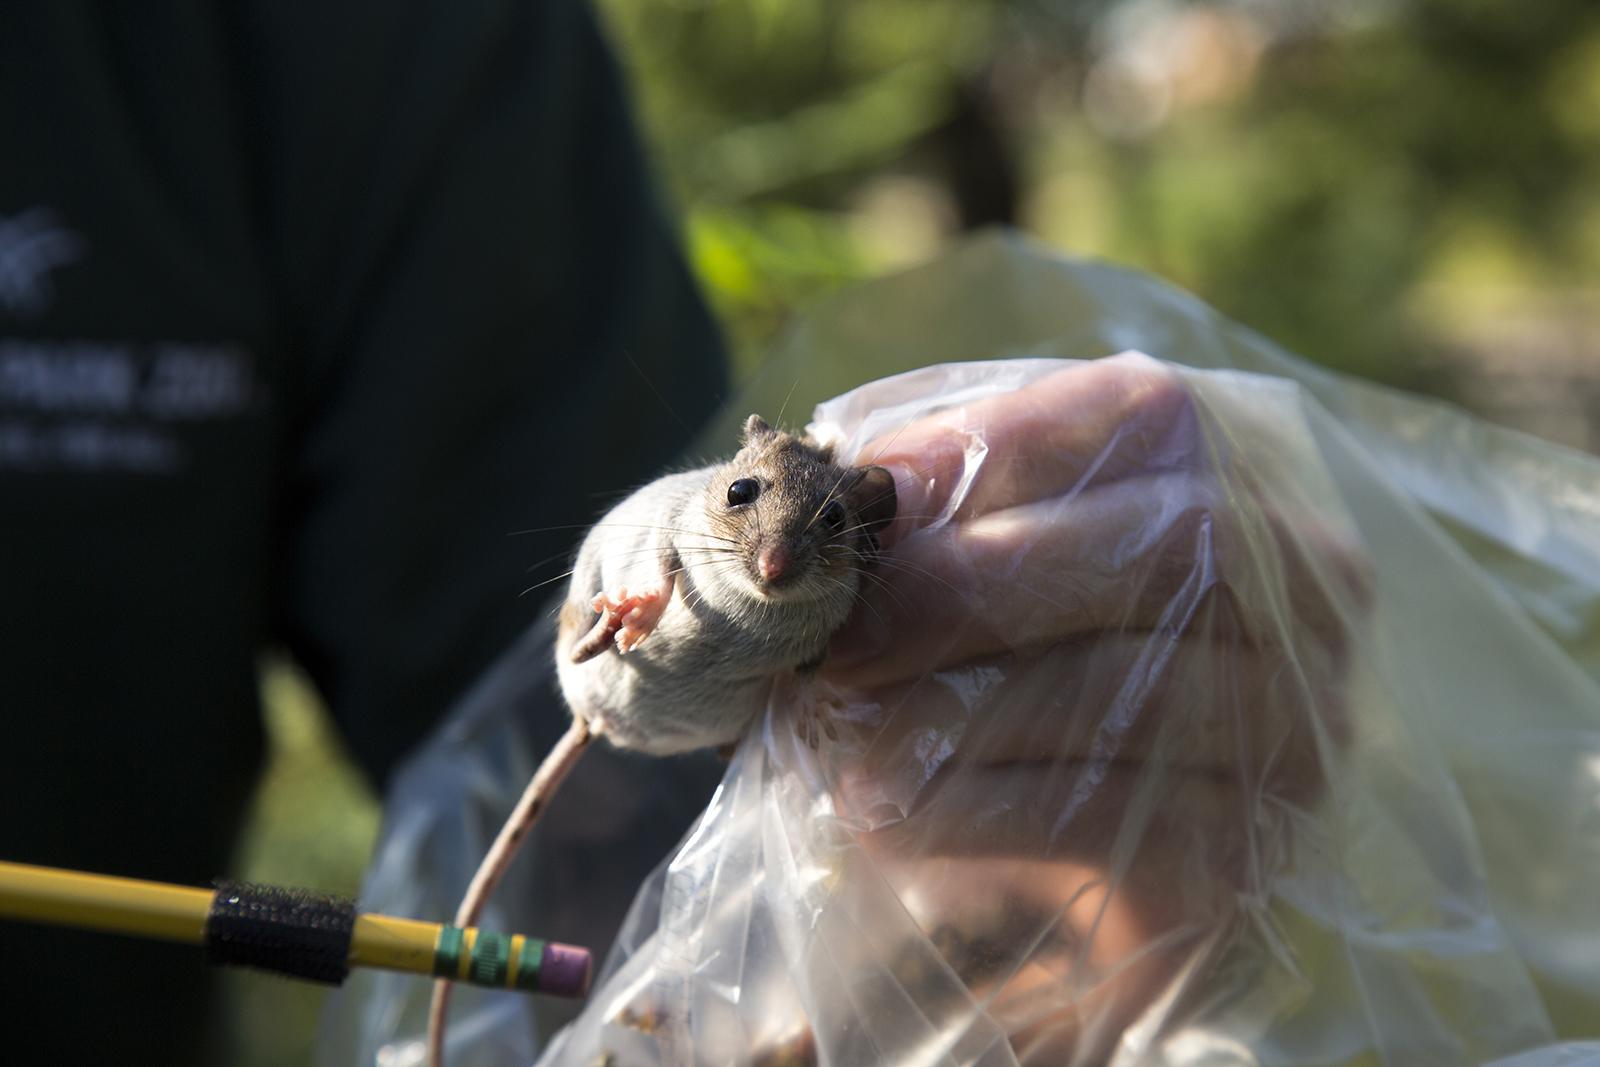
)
(755, 428)
(874, 498)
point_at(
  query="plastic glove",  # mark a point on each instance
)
(1095, 678)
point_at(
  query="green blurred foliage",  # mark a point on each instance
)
(766, 116)
(1347, 177)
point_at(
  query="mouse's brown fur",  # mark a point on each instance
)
(799, 480)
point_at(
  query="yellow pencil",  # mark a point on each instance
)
(294, 932)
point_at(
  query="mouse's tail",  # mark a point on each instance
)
(535, 798)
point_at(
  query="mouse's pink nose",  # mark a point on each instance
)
(773, 562)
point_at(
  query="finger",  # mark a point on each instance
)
(1017, 756)
(1087, 425)
(1062, 955)
(1142, 554)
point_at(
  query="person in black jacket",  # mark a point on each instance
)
(304, 308)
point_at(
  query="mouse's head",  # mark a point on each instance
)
(803, 524)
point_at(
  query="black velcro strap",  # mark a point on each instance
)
(290, 931)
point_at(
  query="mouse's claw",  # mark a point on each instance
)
(814, 716)
(631, 617)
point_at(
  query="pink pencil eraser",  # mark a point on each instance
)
(565, 970)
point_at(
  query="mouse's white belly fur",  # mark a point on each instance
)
(706, 669)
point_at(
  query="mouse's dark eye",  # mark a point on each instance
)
(833, 515)
(743, 491)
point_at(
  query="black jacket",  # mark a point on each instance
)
(305, 309)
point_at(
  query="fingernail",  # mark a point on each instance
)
(910, 504)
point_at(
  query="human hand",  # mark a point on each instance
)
(1098, 673)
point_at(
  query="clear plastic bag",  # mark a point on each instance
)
(1196, 716)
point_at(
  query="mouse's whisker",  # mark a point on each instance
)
(697, 595)
(568, 556)
(558, 557)
(547, 581)
(551, 529)
(852, 529)
(628, 553)
(877, 499)
(904, 566)
(596, 525)
(867, 563)
(712, 551)
(828, 497)
(662, 529)
(705, 557)
(888, 590)
(864, 602)
(784, 406)
(911, 420)
(714, 565)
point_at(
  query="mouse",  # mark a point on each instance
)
(687, 602)
(694, 593)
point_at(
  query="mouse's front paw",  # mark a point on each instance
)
(632, 617)
(816, 712)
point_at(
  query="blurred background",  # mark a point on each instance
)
(1407, 191)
